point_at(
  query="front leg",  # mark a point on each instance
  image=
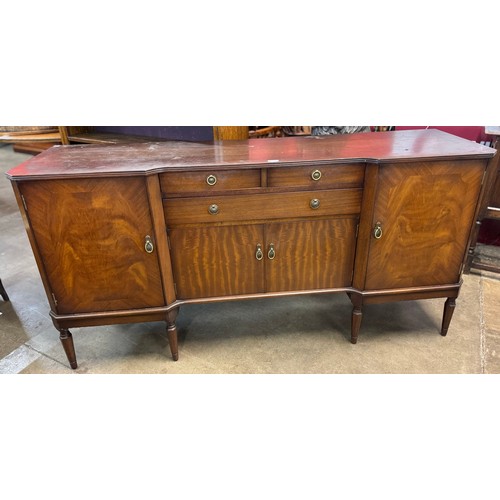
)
(449, 308)
(172, 333)
(357, 302)
(355, 323)
(69, 348)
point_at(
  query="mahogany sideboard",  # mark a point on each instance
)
(129, 233)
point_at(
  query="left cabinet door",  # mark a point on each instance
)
(91, 235)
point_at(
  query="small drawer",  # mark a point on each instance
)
(207, 181)
(317, 177)
(215, 209)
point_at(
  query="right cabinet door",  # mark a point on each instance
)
(424, 211)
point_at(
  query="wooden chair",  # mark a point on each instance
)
(264, 132)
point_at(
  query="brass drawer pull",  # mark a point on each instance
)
(213, 209)
(259, 255)
(314, 203)
(271, 254)
(316, 175)
(377, 231)
(148, 244)
(211, 180)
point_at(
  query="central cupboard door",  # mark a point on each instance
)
(215, 261)
(310, 255)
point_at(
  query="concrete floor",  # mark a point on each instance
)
(308, 334)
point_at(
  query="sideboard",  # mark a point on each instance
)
(129, 233)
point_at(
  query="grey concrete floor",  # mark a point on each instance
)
(308, 334)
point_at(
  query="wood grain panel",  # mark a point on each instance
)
(160, 236)
(331, 176)
(365, 226)
(90, 234)
(217, 261)
(196, 182)
(426, 212)
(262, 206)
(311, 255)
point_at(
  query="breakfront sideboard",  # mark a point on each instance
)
(129, 233)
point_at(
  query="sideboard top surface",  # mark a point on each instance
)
(154, 157)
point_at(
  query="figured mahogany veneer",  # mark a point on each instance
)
(215, 180)
(94, 256)
(129, 233)
(330, 176)
(442, 197)
(245, 207)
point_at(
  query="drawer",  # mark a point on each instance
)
(206, 181)
(317, 176)
(214, 209)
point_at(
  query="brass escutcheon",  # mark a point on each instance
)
(213, 209)
(259, 254)
(316, 175)
(271, 254)
(314, 203)
(148, 244)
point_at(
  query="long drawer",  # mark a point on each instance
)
(214, 209)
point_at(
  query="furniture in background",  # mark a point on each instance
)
(272, 131)
(126, 135)
(490, 211)
(493, 210)
(3, 293)
(34, 140)
(30, 139)
(114, 135)
(133, 236)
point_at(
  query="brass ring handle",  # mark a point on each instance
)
(316, 175)
(272, 253)
(314, 203)
(377, 231)
(259, 255)
(211, 180)
(148, 244)
(213, 209)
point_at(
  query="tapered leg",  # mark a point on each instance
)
(449, 308)
(355, 323)
(69, 348)
(172, 333)
(3, 293)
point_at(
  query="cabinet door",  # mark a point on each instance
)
(217, 261)
(91, 237)
(310, 255)
(425, 211)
